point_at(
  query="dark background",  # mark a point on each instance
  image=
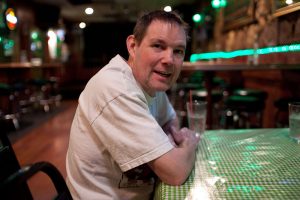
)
(102, 41)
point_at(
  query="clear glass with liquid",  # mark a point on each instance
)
(294, 119)
(196, 114)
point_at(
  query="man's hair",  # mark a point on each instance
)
(145, 20)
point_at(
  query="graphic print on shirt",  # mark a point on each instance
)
(137, 177)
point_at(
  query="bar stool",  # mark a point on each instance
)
(22, 97)
(179, 94)
(40, 93)
(217, 96)
(8, 109)
(54, 91)
(244, 109)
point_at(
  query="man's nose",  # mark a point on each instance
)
(169, 56)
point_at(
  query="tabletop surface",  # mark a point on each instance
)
(241, 164)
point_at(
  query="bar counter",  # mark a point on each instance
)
(269, 77)
(17, 71)
(241, 164)
(18, 65)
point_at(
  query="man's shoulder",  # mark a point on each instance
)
(115, 70)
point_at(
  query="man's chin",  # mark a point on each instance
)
(162, 89)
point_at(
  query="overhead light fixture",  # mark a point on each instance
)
(89, 11)
(168, 8)
(82, 25)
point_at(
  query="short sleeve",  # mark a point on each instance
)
(130, 133)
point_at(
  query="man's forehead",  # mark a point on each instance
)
(158, 22)
(152, 28)
(157, 30)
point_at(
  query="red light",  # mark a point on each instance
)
(11, 19)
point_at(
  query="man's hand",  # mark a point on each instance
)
(174, 167)
(184, 137)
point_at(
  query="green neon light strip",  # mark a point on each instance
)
(245, 52)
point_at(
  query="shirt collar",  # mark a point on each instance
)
(149, 98)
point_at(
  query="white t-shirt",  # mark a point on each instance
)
(116, 130)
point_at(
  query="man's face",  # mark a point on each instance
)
(156, 62)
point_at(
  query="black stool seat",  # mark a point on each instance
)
(251, 92)
(54, 90)
(245, 103)
(244, 108)
(43, 91)
(4, 89)
(217, 95)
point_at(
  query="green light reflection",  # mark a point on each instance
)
(245, 188)
(250, 148)
(245, 52)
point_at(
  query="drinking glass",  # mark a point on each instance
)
(294, 120)
(196, 114)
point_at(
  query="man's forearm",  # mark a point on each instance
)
(173, 123)
(175, 166)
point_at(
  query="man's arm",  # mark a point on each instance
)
(171, 125)
(174, 167)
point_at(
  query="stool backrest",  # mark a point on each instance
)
(13, 177)
(9, 165)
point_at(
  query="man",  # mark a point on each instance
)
(125, 130)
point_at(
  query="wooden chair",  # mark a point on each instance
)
(13, 177)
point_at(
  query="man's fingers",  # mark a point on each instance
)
(173, 129)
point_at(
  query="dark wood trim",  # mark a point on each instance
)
(286, 10)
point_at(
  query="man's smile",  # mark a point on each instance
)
(162, 73)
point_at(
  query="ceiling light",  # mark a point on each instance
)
(168, 8)
(82, 25)
(89, 11)
(289, 2)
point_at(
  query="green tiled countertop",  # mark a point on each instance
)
(241, 164)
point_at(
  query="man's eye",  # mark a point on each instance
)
(159, 46)
(179, 51)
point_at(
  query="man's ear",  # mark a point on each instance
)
(131, 44)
